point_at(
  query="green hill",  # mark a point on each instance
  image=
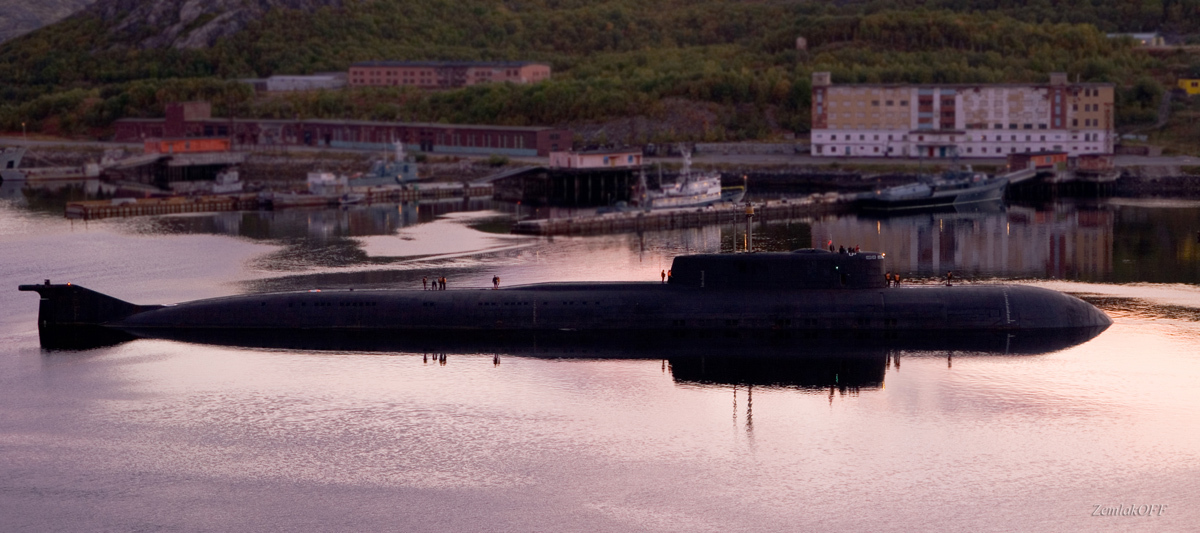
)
(712, 69)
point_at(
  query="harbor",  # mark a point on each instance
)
(130, 207)
(706, 267)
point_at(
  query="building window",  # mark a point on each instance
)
(875, 103)
(891, 102)
(1012, 126)
(833, 137)
(904, 103)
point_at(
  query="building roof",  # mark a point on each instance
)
(446, 64)
(1142, 36)
(963, 85)
(1042, 152)
(339, 122)
(601, 151)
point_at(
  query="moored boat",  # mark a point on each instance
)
(398, 171)
(949, 189)
(690, 189)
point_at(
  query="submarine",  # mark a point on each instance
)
(806, 296)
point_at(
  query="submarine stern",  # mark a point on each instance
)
(71, 317)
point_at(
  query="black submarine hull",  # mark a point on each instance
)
(631, 313)
(760, 295)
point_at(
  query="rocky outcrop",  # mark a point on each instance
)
(189, 24)
(18, 17)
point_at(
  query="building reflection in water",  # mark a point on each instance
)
(1018, 242)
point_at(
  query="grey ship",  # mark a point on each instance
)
(10, 162)
(953, 189)
(806, 294)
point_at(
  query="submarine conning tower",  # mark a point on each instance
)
(807, 268)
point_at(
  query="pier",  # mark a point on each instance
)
(691, 217)
(132, 207)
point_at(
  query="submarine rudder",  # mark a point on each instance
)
(74, 317)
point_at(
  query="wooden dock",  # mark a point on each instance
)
(131, 207)
(669, 219)
(430, 191)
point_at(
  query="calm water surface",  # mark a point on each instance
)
(153, 435)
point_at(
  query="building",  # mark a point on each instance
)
(193, 119)
(187, 145)
(329, 81)
(1190, 86)
(960, 120)
(1038, 160)
(1142, 39)
(444, 74)
(596, 159)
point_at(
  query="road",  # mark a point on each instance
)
(700, 159)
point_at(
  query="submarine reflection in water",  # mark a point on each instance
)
(812, 360)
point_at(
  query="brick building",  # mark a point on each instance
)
(444, 74)
(193, 119)
(961, 120)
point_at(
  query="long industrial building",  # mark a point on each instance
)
(960, 120)
(445, 74)
(193, 119)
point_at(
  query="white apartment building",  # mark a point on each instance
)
(960, 120)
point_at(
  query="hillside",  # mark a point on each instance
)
(18, 17)
(669, 69)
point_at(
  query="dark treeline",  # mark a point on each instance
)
(611, 59)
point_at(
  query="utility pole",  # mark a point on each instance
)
(749, 227)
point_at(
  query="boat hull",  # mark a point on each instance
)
(988, 192)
